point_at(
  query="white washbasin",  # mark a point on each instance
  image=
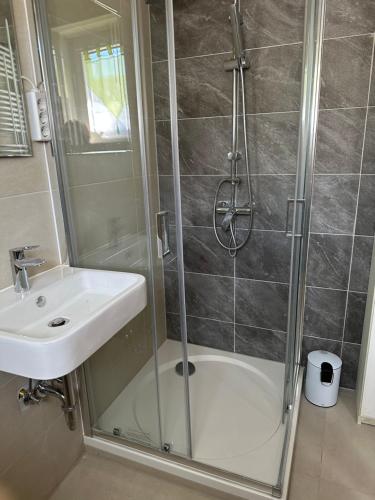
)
(96, 303)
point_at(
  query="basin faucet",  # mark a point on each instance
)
(20, 266)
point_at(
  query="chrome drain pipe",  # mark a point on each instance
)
(42, 389)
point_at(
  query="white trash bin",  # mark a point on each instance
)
(323, 378)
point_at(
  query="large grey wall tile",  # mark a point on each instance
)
(198, 194)
(355, 316)
(164, 147)
(272, 138)
(271, 22)
(171, 292)
(202, 27)
(204, 88)
(166, 192)
(273, 82)
(204, 146)
(329, 259)
(339, 141)
(209, 296)
(313, 344)
(158, 30)
(345, 17)
(271, 193)
(350, 361)
(260, 343)
(173, 326)
(372, 88)
(324, 313)
(368, 166)
(266, 256)
(362, 255)
(210, 333)
(366, 206)
(345, 72)
(201, 331)
(334, 203)
(203, 254)
(161, 90)
(273, 143)
(261, 304)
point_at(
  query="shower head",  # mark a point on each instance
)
(235, 19)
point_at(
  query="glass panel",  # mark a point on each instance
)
(14, 134)
(171, 353)
(109, 159)
(237, 255)
(314, 28)
(93, 58)
(238, 280)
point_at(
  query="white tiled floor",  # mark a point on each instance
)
(334, 460)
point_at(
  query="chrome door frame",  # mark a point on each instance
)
(178, 212)
(310, 95)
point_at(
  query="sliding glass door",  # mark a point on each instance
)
(98, 66)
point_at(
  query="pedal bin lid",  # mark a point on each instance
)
(316, 358)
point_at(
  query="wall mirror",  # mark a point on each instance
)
(14, 134)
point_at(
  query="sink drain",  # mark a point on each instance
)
(58, 322)
(180, 368)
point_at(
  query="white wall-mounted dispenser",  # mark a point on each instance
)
(38, 115)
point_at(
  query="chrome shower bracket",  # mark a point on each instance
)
(234, 156)
(236, 64)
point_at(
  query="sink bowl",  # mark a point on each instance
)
(68, 314)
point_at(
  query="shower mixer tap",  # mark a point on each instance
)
(228, 218)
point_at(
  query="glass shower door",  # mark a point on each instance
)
(301, 202)
(98, 68)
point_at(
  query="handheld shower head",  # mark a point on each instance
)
(235, 19)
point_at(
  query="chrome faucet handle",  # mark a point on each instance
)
(24, 248)
(19, 252)
(25, 263)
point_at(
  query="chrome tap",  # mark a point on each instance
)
(20, 266)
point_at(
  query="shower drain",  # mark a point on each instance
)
(180, 368)
(58, 322)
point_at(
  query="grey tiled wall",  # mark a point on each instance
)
(241, 304)
(343, 211)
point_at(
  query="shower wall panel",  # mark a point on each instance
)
(343, 211)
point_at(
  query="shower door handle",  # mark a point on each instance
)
(292, 201)
(163, 233)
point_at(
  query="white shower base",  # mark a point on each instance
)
(235, 404)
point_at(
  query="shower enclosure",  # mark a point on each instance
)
(147, 127)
